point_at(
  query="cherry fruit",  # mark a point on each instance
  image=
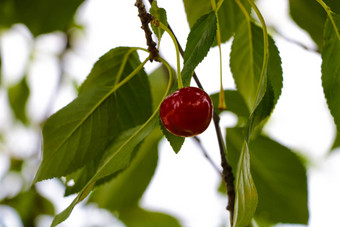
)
(186, 112)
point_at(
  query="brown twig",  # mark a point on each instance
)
(145, 18)
(296, 42)
(227, 173)
(206, 155)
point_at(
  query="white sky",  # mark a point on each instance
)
(185, 184)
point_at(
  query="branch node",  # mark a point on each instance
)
(145, 19)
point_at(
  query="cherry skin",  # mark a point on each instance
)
(186, 112)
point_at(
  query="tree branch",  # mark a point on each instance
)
(145, 18)
(227, 173)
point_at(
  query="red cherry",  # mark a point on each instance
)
(186, 112)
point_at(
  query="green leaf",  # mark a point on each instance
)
(39, 16)
(230, 18)
(116, 158)
(195, 9)
(246, 195)
(81, 131)
(259, 81)
(330, 69)
(18, 97)
(7, 13)
(176, 142)
(113, 67)
(81, 176)
(127, 188)
(159, 80)
(16, 164)
(230, 15)
(142, 166)
(246, 61)
(119, 152)
(263, 223)
(279, 176)
(199, 41)
(310, 16)
(138, 217)
(159, 14)
(274, 70)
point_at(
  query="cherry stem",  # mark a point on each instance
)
(221, 103)
(174, 40)
(132, 74)
(213, 4)
(126, 56)
(171, 78)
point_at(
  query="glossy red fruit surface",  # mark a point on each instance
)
(186, 112)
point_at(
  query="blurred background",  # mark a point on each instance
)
(39, 75)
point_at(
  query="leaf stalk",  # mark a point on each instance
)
(174, 40)
(221, 103)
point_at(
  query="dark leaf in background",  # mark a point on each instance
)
(138, 217)
(39, 16)
(310, 16)
(158, 80)
(29, 205)
(0, 66)
(127, 188)
(17, 97)
(16, 164)
(279, 176)
(230, 15)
